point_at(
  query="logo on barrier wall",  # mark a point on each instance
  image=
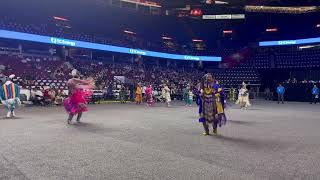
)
(54, 40)
(62, 42)
(135, 51)
(286, 42)
(191, 58)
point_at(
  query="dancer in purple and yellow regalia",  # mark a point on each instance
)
(211, 105)
(10, 96)
(79, 92)
(221, 118)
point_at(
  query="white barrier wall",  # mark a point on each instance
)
(28, 93)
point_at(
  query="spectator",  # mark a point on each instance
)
(128, 94)
(59, 97)
(315, 94)
(280, 91)
(294, 80)
(49, 95)
(37, 97)
(122, 94)
(267, 93)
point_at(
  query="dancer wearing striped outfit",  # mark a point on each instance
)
(10, 96)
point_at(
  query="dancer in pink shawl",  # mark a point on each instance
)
(149, 95)
(79, 92)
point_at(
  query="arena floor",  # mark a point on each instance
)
(115, 141)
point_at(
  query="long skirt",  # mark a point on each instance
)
(138, 98)
(150, 99)
(167, 97)
(243, 101)
(209, 110)
(76, 103)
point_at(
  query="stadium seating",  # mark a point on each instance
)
(284, 58)
(42, 71)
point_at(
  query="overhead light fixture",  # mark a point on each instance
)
(197, 40)
(60, 18)
(166, 38)
(271, 30)
(145, 3)
(221, 2)
(227, 32)
(306, 47)
(129, 32)
(196, 12)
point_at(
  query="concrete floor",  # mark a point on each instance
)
(115, 141)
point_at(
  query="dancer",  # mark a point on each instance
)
(199, 99)
(149, 95)
(232, 94)
(10, 96)
(166, 94)
(220, 98)
(79, 91)
(190, 97)
(185, 95)
(122, 95)
(209, 107)
(138, 94)
(243, 97)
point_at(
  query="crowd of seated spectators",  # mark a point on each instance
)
(49, 75)
(47, 96)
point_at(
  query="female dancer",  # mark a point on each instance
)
(138, 94)
(149, 95)
(243, 97)
(190, 97)
(198, 99)
(166, 95)
(123, 94)
(220, 98)
(186, 95)
(79, 92)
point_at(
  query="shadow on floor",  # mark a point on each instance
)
(92, 128)
(13, 118)
(244, 123)
(269, 145)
